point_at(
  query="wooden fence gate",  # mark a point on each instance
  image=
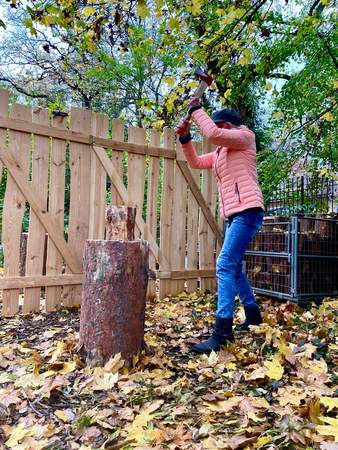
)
(63, 171)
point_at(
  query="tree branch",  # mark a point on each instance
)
(305, 124)
(279, 75)
(23, 91)
(328, 48)
(314, 6)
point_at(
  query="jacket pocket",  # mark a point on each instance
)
(237, 192)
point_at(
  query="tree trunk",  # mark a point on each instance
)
(113, 302)
(120, 223)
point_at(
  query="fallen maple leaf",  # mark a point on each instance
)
(223, 406)
(114, 364)
(275, 370)
(329, 402)
(262, 441)
(314, 411)
(52, 384)
(257, 374)
(18, 433)
(10, 398)
(66, 415)
(328, 430)
(137, 429)
(105, 382)
(239, 441)
(291, 395)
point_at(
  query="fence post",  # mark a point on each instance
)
(294, 258)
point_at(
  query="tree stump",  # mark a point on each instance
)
(120, 223)
(113, 302)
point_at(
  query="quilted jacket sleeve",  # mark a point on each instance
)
(236, 138)
(197, 161)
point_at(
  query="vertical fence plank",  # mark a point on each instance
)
(56, 206)
(192, 228)
(14, 208)
(205, 233)
(178, 229)
(4, 99)
(37, 232)
(117, 157)
(152, 200)
(80, 159)
(136, 170)
(98, 183)
(166, 211)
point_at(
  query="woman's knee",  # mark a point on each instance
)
(225, 264)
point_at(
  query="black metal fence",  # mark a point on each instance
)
(295, 258)
(304, 195)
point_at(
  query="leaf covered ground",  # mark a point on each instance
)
(273, 388)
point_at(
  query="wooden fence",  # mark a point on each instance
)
(176, 205)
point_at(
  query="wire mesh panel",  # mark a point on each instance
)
(268, 258)
(317, 270)
(295, 258)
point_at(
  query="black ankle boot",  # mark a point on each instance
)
(220, 336)
(252, 317)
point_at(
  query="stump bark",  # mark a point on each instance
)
(113, 302)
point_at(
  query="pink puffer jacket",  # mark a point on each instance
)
(233, 163)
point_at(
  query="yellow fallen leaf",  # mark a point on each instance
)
(114, 364)
(57, 352)
(66, 415)
(212, 444)
(60, 367)
(230, 366)
(47, 374)
(213, 358)
(5, 377)
(291, 395)
(30, 380)
(106, 382)
(262, 441)
(332, 304)
(328, 430)
(251, 415)
(68, 367)
(275, 370)
(151, 340)
(138, 428)
(317, 366)
(259, 402)
(158, 374)
(329, 402)
(283, 347)
(18, 434)
(333, 347)
(257, 374)
(223, 405)
(61, 415)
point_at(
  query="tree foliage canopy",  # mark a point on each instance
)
(274, 61)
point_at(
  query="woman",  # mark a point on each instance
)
(241, 202)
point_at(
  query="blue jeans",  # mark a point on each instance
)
(230, 276)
